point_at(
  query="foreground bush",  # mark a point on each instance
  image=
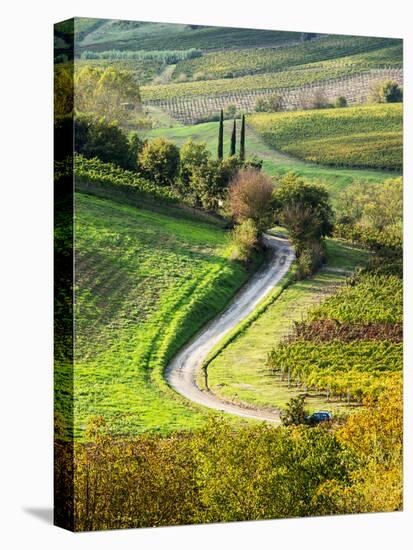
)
(227, 474)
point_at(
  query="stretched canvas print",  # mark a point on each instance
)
(228, 274)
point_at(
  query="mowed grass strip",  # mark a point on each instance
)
(145, 283)
(363, 136)
(240, 374)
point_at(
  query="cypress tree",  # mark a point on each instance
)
(242, 140)
(233, 139)
(221, 136)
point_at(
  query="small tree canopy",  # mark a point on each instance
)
(95, 137)
(159, 161)
(193, 155)
(104, 91)
(294, 412)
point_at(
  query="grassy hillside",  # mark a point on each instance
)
(239, 373)
(275, 162)
(136, 35)
(145, 282)
(222, 64)
(363, 136)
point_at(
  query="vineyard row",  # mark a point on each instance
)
(356, 88)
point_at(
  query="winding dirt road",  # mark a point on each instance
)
(181, 373)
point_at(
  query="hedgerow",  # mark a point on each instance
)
(95, 171)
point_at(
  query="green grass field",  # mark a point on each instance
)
(138, 35)
(239, 373)
(275, 163)
(364, 136)
(145, 283)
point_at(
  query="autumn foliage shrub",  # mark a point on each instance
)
(250, 197)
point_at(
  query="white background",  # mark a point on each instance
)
(26, 272)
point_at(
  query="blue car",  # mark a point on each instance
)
(318, 417)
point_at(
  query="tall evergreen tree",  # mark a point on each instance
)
(232, 150)
(242, 140)
(221, 136)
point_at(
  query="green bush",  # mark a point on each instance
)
(304, 209)
(269, 104)
(294, 412)
(386, 92)
(159, 161)
(95, 137)
(341, 101)
(244, 239)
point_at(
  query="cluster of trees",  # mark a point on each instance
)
(191, 170)
(317, 100)
(169, 57)
(304, 209)
(373, 216)
(269, 104)
(201, 180)
(102, 91)
(95, 137)
(386, 92)
(106, 92)
(233, 145)
(275, 472)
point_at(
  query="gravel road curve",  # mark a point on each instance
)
(181, 373)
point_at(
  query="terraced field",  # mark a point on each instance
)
(291, 78)
(133, 311)
(225, 64)
(363, 136)
(192, 102)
